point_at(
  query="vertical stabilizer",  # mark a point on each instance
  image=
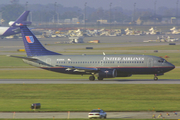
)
(22, 19)
(14, 26)
(32, 45)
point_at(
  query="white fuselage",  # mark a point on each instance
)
(3, 30)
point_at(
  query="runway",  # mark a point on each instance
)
(69, 115)
(86, 81)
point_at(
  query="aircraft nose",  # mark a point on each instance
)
(171, 66)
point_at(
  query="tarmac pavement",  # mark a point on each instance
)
(110, 115)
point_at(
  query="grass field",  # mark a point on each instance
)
(84, 97)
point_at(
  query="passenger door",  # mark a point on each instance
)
(150, 62)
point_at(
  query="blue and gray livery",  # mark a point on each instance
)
(102, 66)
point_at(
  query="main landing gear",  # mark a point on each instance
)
(92, 78)
(155, 77)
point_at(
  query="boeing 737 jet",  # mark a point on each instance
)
(102, 66)
(14, 29)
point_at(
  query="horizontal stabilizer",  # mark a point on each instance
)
(27, 58)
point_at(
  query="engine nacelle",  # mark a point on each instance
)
(107, 73)
(124, 75)
(19, 24)
(11, 23)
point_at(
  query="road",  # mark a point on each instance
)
(86, 81)
(110, 115)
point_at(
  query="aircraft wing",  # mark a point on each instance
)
(83, 69)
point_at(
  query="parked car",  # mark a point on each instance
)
(97, 113)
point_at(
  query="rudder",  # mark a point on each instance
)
(32, 45)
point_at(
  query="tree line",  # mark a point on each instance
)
(52, 13)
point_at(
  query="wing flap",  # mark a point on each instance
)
(76, 68)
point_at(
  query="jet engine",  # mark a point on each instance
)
(107, 73)
(11, 22)
(18, 24)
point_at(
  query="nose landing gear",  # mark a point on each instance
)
(155, 77)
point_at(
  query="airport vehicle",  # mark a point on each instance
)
(14, 29)
(102, 66)
(97, 113)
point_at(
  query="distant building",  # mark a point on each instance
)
(67, 21)
(102, 21)
(75, 20)
(173, 20)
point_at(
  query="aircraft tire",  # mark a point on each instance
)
(155, 78)
(92, 78)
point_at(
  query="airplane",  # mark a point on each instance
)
(102, 66)
(14, 29)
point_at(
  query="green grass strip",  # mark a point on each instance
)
(85, 97)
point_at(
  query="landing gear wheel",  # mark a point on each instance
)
(100, 78)
(92, 78)
(155, 78)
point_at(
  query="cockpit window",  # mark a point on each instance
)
(165, 61)
(162, 61)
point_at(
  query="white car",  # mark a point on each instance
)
(97, 113)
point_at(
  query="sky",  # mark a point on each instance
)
(125, 4)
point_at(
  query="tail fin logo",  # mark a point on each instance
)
(30, 39)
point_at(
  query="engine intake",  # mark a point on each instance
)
(107, 73)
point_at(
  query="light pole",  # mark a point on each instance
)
(26, 5)
(85, 15)
(55, 5)
(115, 21)
(134, 12)
(110, 15)
(177, 10)
(155, 11)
